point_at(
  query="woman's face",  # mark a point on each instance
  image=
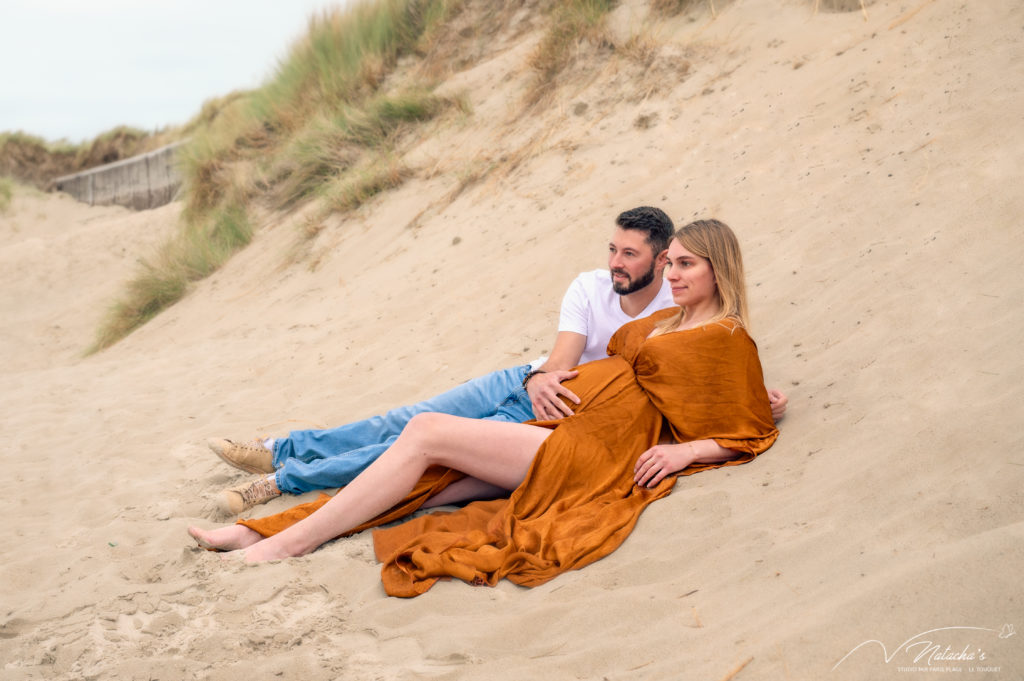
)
(690, 276)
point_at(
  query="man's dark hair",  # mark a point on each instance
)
(653, 221)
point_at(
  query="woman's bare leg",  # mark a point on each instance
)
(466, 489)
(234, 537)
(494, 452)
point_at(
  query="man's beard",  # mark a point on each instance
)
(632, 285)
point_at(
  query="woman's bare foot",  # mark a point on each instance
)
(229, 538)
(271, 548)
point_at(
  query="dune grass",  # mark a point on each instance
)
(318, 128)
(571, 21)
(32, 160)
(669, 8)
(6, 193)
(35, 161)
(195, 253)
(326, 126)
(331, 145)
(352, 191)
(324, 91)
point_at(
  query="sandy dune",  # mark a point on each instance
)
(870, 168)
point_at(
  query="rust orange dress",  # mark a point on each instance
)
(578, 501)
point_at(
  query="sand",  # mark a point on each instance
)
(870, 168)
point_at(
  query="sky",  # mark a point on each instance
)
(75, 68)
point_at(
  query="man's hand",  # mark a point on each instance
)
(778, 402)
(544, 390)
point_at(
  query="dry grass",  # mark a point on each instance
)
(841, 6)
(114, 145)
(6, 193)
(353, 190)
(641, 48)
(35, 161)
(572, 22)
(468, 34)
(330, 146)
(315, 117)
(670, 8)
(207, 161)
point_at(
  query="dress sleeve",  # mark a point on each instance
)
(627, 341)
(708, 384)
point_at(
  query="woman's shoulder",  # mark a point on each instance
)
(729, 326)
(726, 331)
(660, 315)
(729, 331)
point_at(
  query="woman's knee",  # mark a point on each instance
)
(427, 428)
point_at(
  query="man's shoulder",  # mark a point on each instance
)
(588, 291)
(594, 278)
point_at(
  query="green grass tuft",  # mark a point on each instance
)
(299, 124)
(338, 63)
(330, 146)
(355, 190)
(343, 56)
(194, 254)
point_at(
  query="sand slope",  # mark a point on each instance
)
(870, 169)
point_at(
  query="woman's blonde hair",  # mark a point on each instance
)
(714, 241)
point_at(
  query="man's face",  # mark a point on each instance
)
(631, 261)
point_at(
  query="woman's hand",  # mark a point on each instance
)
(544, 390)
(778, 401)
(661, 460)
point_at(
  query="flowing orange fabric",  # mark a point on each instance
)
(578, 502)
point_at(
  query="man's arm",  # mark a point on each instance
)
(544, 388)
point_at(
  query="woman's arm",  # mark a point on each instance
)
(661, 460)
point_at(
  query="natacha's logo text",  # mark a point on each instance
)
(926, 648)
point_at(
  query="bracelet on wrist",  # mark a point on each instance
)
(527, 377)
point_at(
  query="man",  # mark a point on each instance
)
(595, 306)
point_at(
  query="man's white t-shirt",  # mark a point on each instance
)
(592, 308)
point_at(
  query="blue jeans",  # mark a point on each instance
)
(318, 459)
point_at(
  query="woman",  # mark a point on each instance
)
(681, 392)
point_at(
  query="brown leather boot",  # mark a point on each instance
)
(251, 457)
(242, 497)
